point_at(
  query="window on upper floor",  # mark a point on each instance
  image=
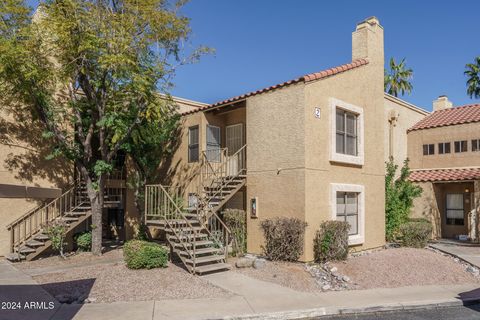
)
(443, 147)
(213, 144)
(193, 144)
(475, 145)
(428, 149)
(461, 146)
(346, 133)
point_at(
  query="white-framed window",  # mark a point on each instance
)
(347, 202)
(475, 145)
(461, 146)
(428, 149)
(347, 132)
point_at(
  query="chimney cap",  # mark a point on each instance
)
(370, 21)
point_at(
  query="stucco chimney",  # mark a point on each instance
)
(367, 41)
(441, 103)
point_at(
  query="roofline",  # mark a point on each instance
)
(447, 168)
(446, 125)
(189, 102)
(406, 104)
(305, 79)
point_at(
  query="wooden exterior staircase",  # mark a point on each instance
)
(196, 233)
(27, 239)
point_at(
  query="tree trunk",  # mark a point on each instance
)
(96, 200)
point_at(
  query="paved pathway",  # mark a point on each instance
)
(469, 253)
(252, 299)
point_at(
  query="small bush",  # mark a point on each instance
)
(236, 221)
(331, 241)
(416, 233)
(84, 241)
(283, 238)
(140, 254)
(57, 232)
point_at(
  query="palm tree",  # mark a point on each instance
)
(398, 78)
(473, 82)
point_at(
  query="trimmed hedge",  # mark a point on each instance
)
(139, 254)
(416, 233)
(283, 238)
(331, 241)
(84, 241)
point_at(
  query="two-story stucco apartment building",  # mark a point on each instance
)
(444, 149)
(313, 148)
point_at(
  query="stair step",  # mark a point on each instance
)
(198, 236)
(41, 237)
(68, 219)
(198, 251)
(15, 257)
(34, 243)
(205, 259)
(75, 213)
(212, 267)
(84, 208)
(185, 229)
(25, 250)
(197, 244)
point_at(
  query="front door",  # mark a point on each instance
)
(457, 206)
(234, 141)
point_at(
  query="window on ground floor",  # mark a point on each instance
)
(454, 209)
(347, 210)
(348, 204)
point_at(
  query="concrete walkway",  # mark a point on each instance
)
(468, 252)
(252, 299)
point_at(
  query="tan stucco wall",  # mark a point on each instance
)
(275, 140)
(23, 163)
(406, 115)
(417, 138)
(426, 206)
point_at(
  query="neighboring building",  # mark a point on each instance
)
(28, 181)
(444, 149)
(399, 117)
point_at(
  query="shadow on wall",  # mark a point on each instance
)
(23, 136)
(176, 171)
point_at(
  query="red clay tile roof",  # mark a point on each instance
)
(306, 78)
(448, 117)
(454, 174)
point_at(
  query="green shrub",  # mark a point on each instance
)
(84, 241)
(331, 241)
(236, 221)
(57, 232)
(416, 233)
(140, 254)
(283, 238)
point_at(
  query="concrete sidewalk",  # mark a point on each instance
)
(468, 253)
(252, 299)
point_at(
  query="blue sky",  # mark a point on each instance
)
(264, 42)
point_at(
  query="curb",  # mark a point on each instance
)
(335, 311)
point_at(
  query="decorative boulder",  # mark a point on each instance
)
(244, 263)
(259, 263)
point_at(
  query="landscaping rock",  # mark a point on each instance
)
(90, 300)
(244, 262)
(346, 278)
(259, 263)
(65, 298)
(326, 287)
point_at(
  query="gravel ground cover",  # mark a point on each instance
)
(85, 277)
(387, 268)
(115, 282)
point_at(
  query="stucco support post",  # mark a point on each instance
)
(475, 213)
